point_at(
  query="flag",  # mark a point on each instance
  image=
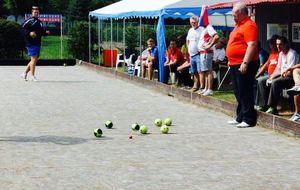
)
(203, 19)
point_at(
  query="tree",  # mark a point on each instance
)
(78, 10)
(18, 7)
(3, 10)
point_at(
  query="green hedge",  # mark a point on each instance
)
(11, 40)
(78, 41)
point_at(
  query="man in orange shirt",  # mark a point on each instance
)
(175, 59)
(242, 54)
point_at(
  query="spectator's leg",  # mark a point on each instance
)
(249, 114)
(166, 74)
(296, 76)
(262, 92)
(297, 103)
(277, 86)
(202, 78)
(235, 76)
(143, 69)
(150, 70)
(210, 79)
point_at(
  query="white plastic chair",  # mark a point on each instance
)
(126, 61)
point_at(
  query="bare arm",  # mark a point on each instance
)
(252, 47)
(214, 40)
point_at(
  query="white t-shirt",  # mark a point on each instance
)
(219, 54)
(288, 60)
(194, 36)
(206, 37)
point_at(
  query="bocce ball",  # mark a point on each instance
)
(158, 122)
(143, 129)
(108, 124)
(168, 122)
(98, 132)
(164, 129)
(135, 127)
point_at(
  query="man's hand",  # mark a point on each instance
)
(287, 73)
(48, 32)
(243, 68)
(206, 47)
(32, 34)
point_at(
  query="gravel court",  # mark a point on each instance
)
(47, 141)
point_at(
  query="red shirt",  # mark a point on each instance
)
(245, 32)
(272, 62)
(177, 54)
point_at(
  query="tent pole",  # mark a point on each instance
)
(89, 39)
(61, 36)
(111, 50)
(99, 41)
(140, 42)
(123, 43)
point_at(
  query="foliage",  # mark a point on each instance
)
(11, 39)
(78, 43)
(3, 9)
(18, 7)
(131, 37)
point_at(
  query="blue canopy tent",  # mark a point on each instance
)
(160, 9)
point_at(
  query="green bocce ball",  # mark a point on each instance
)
(108, 124)
(98, 132)
(164, 129)
(135, 127)
(168, 122)
(143, 129)
(158, 122)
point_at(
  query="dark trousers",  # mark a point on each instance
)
(269, 95)
(184, 77)
(243, 91)
(167, 72)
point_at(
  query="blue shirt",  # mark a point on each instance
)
(263, 56)
(154, 53)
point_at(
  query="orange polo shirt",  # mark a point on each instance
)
(245, 32)
(272, 62)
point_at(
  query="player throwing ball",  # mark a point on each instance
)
(33, 32)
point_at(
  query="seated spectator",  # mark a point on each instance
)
(183, 74)
(152, 59)
(174, 60)
(269, 66)
(219, 54)
(273, 87)
(295, 91)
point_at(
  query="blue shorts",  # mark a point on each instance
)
(195, 63)
(33, 50)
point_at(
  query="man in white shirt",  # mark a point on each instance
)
(219, 54)
(192, 40)
(279, 78)
(208, 38)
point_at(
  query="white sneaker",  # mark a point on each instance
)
(202, 91)
(24, 76)
(295, 117)
(232, 122)
(294, 91)
(208, 92)
(34, 79)
(243, 125)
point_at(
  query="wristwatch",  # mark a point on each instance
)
(245, 62)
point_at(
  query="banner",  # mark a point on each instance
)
(47, 17)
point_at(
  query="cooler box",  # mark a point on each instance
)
(107, 57)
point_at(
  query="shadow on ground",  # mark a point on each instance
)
(60, 140)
